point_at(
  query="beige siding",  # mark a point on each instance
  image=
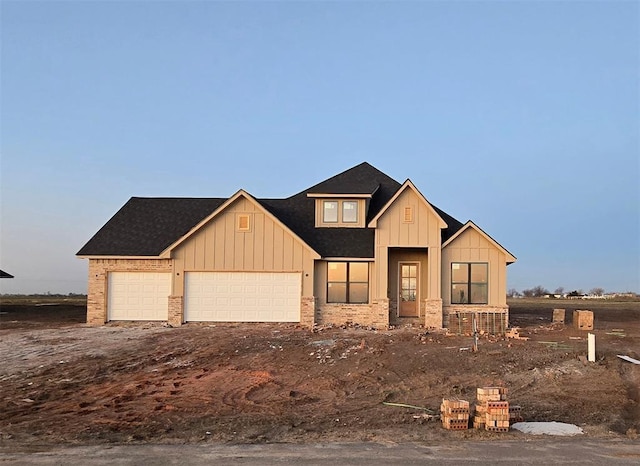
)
(219, 246)
(423, 231)
(471, 246)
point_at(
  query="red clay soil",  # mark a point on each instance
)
(64, 382)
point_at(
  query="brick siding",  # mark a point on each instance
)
(374, 314)
(176, 310)
(432, 312)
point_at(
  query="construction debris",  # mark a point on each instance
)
(548, 428)
(514, 333)
(628, 359)
(403, 405)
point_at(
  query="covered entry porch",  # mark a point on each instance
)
(413, 287)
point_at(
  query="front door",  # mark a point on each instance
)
(408, 289)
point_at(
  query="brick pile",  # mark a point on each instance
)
(454, 414)
(492, 410)
(583, 320)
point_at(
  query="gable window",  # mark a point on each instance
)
(350, 211)
(330, 211)
(348, 282)
(408, 215)
(469, 283)
(244, 223)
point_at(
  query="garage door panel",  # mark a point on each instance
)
(138, 295)
(242, 297)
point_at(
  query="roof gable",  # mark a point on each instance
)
(222, 208)
(407, 185)
(470, 225)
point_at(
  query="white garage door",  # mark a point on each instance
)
(139, 295)
(242, 297)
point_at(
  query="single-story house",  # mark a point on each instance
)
(358, 247)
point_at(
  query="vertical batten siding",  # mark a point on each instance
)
(267, 246)
(423, 232)
(471, 246)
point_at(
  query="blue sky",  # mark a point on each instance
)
(522, 116)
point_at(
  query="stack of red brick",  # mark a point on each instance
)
(454, 414)
(492, 410)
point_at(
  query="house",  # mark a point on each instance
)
(358, 247)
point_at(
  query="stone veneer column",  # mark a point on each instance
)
(380, 309)
(433, 313)
(176, 310)
(307, 311)
(96, 294)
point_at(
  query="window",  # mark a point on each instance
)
(348, 282)
(408, 215)
(244, 223)
(330, 212)
(469, 283)
(350, 211)
(339, 213)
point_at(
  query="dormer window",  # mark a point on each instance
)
(340, 210)
(330, 212)
(349, 211)
(340, 213)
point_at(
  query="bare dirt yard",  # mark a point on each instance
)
(62, 382)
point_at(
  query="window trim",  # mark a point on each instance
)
(355, 203)
(346, 207)
(239, 222)
(324, 212)
(469, 284)
(348, 282)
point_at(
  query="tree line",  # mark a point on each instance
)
(540, 291)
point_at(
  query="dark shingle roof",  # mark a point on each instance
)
(453, 225)
(361, 179)
(147, 226)
(4, 274)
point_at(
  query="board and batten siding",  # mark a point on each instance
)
(422, 232)
(266, 247)
(471, 246)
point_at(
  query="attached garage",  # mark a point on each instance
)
(242, 297)
(138, 295)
